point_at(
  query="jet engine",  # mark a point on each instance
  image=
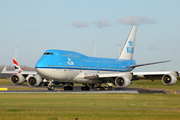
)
(169, 79)
(17, 79)
(124, 81)
(34, 81)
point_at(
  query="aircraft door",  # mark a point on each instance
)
(98, 68)
(65, 66)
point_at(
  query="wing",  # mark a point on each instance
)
(168, 77)
(92, 75)
(123, 79)
(120, 79)
(138, 65)
(19, 77)
(16, 72)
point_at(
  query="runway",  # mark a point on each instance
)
(77, 89)
(56, 91)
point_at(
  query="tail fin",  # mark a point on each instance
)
(4, 69)
(127, 52)
(16, 66)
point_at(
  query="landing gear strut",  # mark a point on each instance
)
(51, 85)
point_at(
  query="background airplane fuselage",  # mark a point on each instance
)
(69, 66)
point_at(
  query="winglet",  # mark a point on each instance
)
(128, 50)
(16, 66)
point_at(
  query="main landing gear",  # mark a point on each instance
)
(50, 85)
(85, 87)
(69, 87)
(107, 87)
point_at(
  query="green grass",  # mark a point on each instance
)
(155, 84)
(63, 106)
(62, 100)
(97, 114)
(5, 81)
(92, 106)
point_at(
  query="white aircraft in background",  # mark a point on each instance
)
(16, 78)
(72, 67)
(18, 72)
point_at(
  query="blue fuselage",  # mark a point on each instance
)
(62, 59)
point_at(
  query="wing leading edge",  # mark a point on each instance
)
(138, 65)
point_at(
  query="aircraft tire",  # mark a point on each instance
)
(82, 88)
(97, 88)
(85, 88)
(105, 88)
(68, 88)
(51, 87)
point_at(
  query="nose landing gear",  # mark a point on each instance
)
(50, 85)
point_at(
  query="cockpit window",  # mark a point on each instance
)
(48, 53)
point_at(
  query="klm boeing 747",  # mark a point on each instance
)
(72, 67)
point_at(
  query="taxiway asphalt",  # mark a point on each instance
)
(77, 89)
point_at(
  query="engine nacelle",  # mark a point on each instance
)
(17, 79)
(169, 79)
(122, 81)
(34, 81)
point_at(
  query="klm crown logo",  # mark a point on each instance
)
(130, 43)
(70, 62)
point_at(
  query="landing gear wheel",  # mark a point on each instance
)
(51, 87)
(105, 88)
(65, 87)
(85, 88)
(68, 88)
(97, 88)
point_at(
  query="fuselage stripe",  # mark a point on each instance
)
(83, 69)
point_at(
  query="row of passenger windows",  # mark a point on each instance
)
(48, 53)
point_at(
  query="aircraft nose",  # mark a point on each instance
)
(40, 64)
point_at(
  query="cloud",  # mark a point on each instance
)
(174, 50)
(150, 47)
(138, 20)
(102, 23)
(80, 24)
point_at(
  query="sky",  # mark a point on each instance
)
(35, 26)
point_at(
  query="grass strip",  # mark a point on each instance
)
(88, 114)
(69, 100)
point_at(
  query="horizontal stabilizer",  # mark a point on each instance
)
(138, 65)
